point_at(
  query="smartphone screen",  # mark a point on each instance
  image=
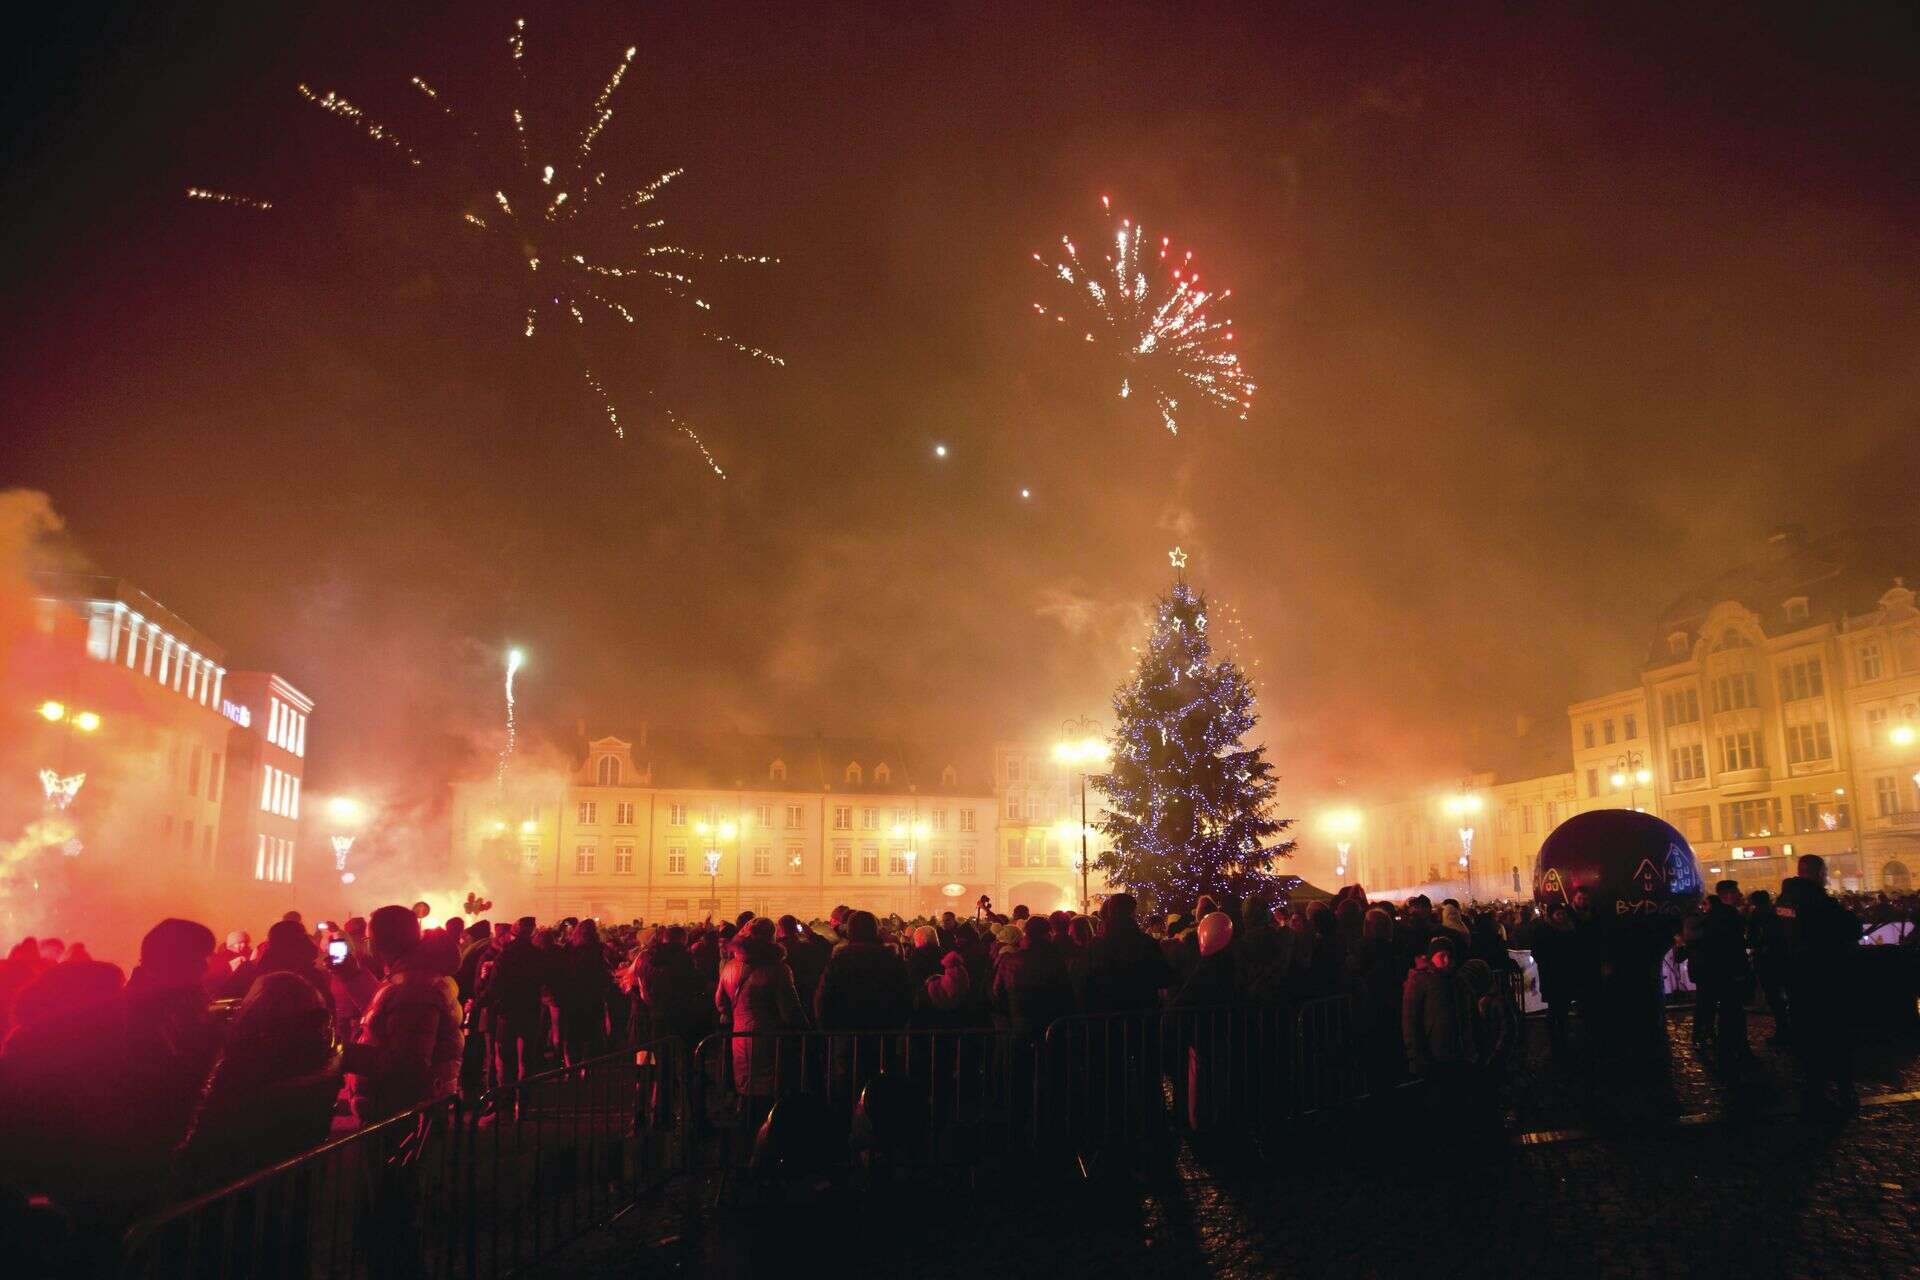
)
(337, 951)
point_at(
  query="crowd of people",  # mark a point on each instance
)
(216, 1057)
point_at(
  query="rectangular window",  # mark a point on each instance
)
(1872, 663)
(1876, 725)
(897, 861)
(1802, 679)
(763, 817)
(186, 835)
(1053, 853)
(293, 799)
(1593, 782)
(899, 817)
(623, 813)
(1748, 819)
(266, 789)
(939, 867)
(677, 814)
(938, 819)
(1736, 691)
(1742, 750)
(1013, 768)
(1633, 727)
(843, 817)
(1816, 813)
(530, 860)
(1696, 823)
(676, 860)
(193, 771)
(1806, 742)
(1013, 808)
(1680, 706)
(968, 860)
(623, 859)
(796, 860)
(1526, 825)
(583, 860)
(213, 777)
(843, 860)
(869, 819)
(1687, 763)
(1586, 732)
(762, 860)
(589, 812)
(1016, 855)
(796, 816)
(1606, 731)
(966, 819)
(1886, 797)
(260, 860)
(869, 860)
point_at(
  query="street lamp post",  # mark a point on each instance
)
(1083, 746)
(59, 786)
(1630, 771)
(724, 831)
(1463, 805)
(1341, 824)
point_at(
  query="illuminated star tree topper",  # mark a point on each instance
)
(1189, 804)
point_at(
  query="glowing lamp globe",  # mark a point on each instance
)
(1627, 862)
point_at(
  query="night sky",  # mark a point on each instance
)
(1552, 317)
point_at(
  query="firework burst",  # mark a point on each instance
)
(580, 245)
(1149, 309)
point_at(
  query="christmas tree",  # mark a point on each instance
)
(1189, 805)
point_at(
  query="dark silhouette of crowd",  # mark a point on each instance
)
(214, 1058)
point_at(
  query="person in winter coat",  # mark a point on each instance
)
(290, 949)
(757, 995)
(1126, 969)
(1204, 1035)
(1212, 981)
(923, 961)
(1557, 959)
(807, 954)
(513, 996)
(1767, 936)
(1377, 966)
(1436, 1019)
(865, 986)
(585, 992)
(408, 1052)
(1030, 985)
(1717, 955)
(1824, 946)
(272, 1092)
(353, 986)
(1263, 955)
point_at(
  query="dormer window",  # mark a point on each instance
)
(853, 771)
(1731, 638)
(609, 773)
(882, 774)
(1677, 644)
(1796, 608)
(777, 771)
(949, 777)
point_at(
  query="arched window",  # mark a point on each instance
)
(609, 771)
(853, 771)
(1895, 878)
(882, 774)
(1677, 644)
(949, 777)
(777, 771)
(1731, 638)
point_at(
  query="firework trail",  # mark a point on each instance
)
(506, 753)
(1154, 319)
(551, 217)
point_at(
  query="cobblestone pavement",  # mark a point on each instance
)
(1734, 1185)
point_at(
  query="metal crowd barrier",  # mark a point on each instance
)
(448, 1190)
(797, 1102)
(470, 1189)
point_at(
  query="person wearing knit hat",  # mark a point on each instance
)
(947, 991)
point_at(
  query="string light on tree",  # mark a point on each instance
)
(1189, 803)
(1153, 317)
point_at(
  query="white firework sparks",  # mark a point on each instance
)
(1155, 319)
(553, 216)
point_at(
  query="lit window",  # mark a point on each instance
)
(869, 860)
(676, 861)
(843, 817)
(762, 860)
(796, 816)
(677, 814)
(589, 812)
(623, 859)
(842, 860)
(796, 860)
(1013, 808)
(623, 813)
(966, 820)
(869, 819)
(583, 860)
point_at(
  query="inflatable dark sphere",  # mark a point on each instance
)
(1629, 864)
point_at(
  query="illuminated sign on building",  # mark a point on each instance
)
(236, 713)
